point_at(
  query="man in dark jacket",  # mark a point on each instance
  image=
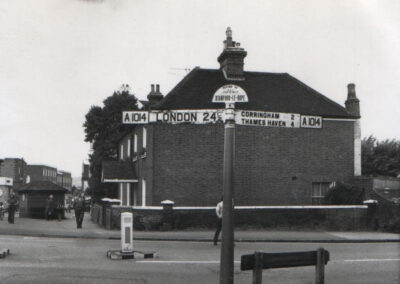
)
(79, 208)
(12, 205)
(49, 209)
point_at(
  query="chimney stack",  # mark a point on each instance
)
(155, 96)
(352, 103)
(232, 58)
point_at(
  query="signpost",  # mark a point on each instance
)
(228, 94)
(205, 116)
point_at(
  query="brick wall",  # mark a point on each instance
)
(36, 173)
(14, 168)
(274, 217)
(274, 166)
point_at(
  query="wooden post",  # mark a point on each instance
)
(258, 267)
(320, 267)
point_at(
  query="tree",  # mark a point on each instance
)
(103, 129)
(380, 158)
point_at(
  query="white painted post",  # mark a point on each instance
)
(126, 232)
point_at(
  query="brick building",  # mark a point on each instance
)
(41, 173)
(14, 168)
(64, 179)
(276, 163)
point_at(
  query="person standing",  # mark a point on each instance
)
(12, 205)
(218, 211)
(60, 210)
(49, 209)
(79, 208)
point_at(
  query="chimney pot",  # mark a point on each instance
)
(352, 103)
(157, 88)
(232, 58)
(152, 88)
(351, 90)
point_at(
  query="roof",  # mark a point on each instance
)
(118, 171)
(47, 186)
(271, 92)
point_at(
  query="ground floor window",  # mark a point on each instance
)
(319, 190)
(135, 194)
(143, 192)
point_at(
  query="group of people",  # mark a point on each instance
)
(52, 209)
(12, 206)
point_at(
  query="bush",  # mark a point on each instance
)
(344, 194)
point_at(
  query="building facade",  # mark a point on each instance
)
(64, 179)
(275, 163)
(6, 185)
(41, 173)
(14, 168)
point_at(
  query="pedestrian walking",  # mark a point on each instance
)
(49, 209)
(79, 208)
(60, 210)
(12, 205)
(218, 211)
(1, 211)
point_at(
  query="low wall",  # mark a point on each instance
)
(294, 217)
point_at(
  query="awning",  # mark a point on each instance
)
(118, 171)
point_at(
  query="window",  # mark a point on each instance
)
(143, 193)
(135, 143)
(319, 190)
(121, 154)
(129, 148)
(144, 137)
(135, 194)
(128, 194)
(120, 194)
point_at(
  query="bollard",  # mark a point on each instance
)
(126, 232)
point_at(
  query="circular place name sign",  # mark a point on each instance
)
(230, 94)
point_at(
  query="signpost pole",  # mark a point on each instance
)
(226, 269)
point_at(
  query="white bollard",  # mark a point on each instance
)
(126, 232)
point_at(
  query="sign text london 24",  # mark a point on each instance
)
(205, 116)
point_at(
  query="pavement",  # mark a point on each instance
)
(67, 229)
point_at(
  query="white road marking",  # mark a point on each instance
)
(371, 260)
(183, 261)
(238, 262)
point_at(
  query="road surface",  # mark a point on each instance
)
(62, 260)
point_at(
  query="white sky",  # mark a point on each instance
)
(59, 57)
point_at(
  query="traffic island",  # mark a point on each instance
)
(4, 253)
(117, 254)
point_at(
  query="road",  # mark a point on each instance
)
(62, 260)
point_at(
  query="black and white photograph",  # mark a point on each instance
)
(191, 142)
